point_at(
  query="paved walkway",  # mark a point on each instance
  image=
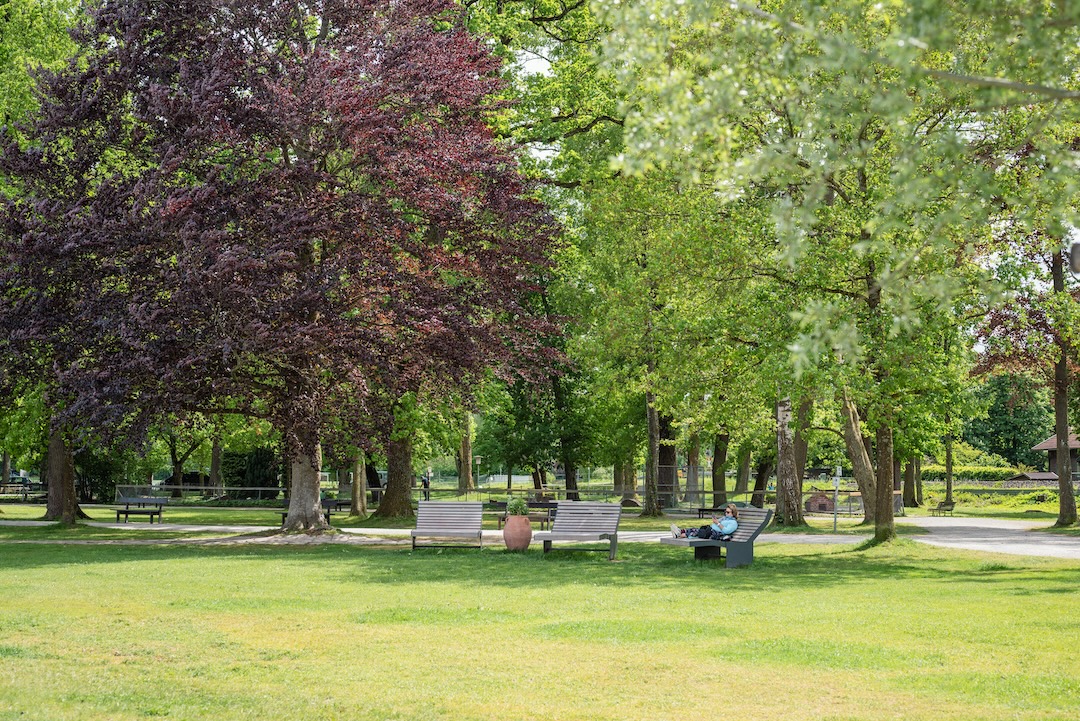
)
(996, 536)
(976, 534)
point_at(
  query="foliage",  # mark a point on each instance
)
(1018, 417)
(346, 222)
(516, 506)
(968, 473)
(33, 34)
(257, 468)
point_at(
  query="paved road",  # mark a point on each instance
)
(976, 534)
(996, 536)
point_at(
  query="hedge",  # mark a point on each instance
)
(969, 473)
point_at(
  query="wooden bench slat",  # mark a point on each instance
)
(584, 521)
(449, 519)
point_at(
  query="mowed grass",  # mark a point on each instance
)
(903, 631)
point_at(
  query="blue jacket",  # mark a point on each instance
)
(726, 526)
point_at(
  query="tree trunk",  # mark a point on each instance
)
(721, 441)
(651, 507)
(788, 505)
(630, 482)
(1066, 497)
(61, 505)
(948, 459)
(806, 407)
(884, 526)
(860, 459)
(397, 496)
(571, 479)
(305, 506)
(909, 484)
(358, 500)
(509, 477)
(742, 479)
(761, 482)
(216, 451)
(918, 481)
(465, 477)
(667, 464)
(693, 459)
(7, 467)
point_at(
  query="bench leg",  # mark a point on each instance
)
(740, 554)
(118, 517)
(614, 547)
(547, 546)
(706, 553)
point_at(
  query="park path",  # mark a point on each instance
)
(995, 535)
(974, 534)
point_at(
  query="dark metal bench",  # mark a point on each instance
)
(582, 522)
(452, 520)
(327, 505)
(740, 549)
(540, 511)
(148, 506)
(942, 509)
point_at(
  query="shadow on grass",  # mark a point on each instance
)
(775, 569)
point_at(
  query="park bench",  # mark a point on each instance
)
(740, 549)
(540, 511)
(942, 509)
(148, 506)
(327, 506)
(703, 510)
(338, 503)
(449, 520)
(582, 522)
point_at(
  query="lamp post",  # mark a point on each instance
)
(477, 459)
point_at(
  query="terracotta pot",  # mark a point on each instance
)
(517, 533)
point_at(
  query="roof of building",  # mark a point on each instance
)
(1050, 444)
(1034, 476)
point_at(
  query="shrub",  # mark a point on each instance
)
(968, 473)
(516, 506)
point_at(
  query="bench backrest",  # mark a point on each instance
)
(946, 506)
(586, 517)
(449, 515)
(752, 521)
(145, 500)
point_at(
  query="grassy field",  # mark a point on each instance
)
(903, 631)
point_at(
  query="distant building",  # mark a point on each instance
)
(1050, 446)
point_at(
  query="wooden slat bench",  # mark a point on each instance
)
(449, 520)
(582, 522)
(942, 509)
(740, 549)
(148, 506)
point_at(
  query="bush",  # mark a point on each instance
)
(968, 473)
(259, 468)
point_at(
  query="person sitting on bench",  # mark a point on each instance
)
(721, 529)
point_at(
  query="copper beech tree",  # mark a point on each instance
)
(281, 209)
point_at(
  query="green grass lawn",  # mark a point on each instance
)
(902, 631)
